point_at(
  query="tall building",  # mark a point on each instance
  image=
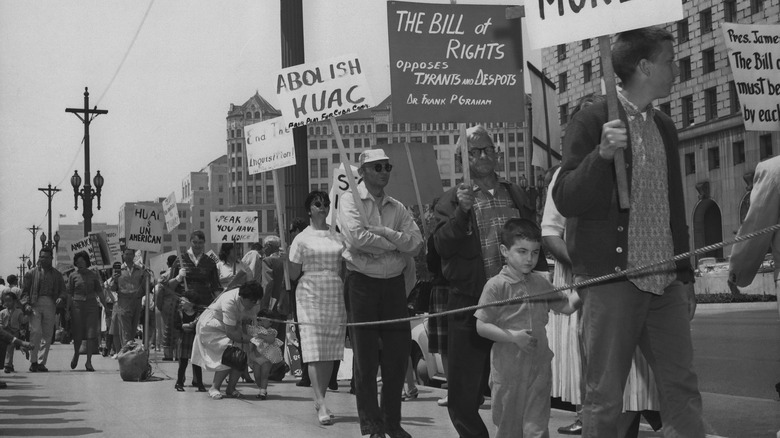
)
(717, 155)
(202, 192)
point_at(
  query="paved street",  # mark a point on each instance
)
(738, 354)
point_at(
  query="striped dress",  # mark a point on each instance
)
(320, 294)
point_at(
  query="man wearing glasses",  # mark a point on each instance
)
(374, 290)
(470, 219)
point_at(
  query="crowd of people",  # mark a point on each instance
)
(621, 347)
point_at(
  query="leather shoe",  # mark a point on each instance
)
(398, 433)
(572, 429)
(377, 435)
(42, 368)
(304, 382)
(34, 367)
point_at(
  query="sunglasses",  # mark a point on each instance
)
(477, 152)
(378, 167)
(319, 204)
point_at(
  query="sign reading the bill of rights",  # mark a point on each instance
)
(454, 63)
(146, 228)
(234, 226)
(269, 146)
(552, 22)
(754, 57)
(318, 91)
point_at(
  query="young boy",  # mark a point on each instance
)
(11, 319)
(520, 370)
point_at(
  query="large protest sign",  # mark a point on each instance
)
(754, 57)
(171, 212)
(318, 91)
(552, 22)
(234, 226)
(269, 146)
(146, 228)
(455, 63)
(413, 162)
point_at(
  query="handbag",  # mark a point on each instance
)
(134, 362)
(234, 357)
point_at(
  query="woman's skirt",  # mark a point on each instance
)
(85, 320)
(320, 300)
(209, 343)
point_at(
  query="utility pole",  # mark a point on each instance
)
(49, 192)
(84, 115)
(21, 275)
(22, 267)
(34, 231)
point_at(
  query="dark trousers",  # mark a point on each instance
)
(197, 372)
(468, 368)
(374, 299)
(616, 318)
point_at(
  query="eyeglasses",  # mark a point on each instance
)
(319, 204)
(477, 152)
(387, 166)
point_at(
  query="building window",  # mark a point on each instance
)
(182, 237)
(312, 144)
(564, 113)
(587, 71)
(713, 158)
(270, 220)
(705, 20)
(313, 168)
(323, 167)
(182, 226)
(685, 69)
(586, 44)
(708, 60)
(682, 30)
(756, 6)
(269, 194)
(167, 238)
(336, 158)
(444, 139)
(221, 201)
(323, 144)
(738, 152)
(690, 164)
(314, 187)
(561, 50)
(381, 127)
(765, 146)
(733, 98)
(358, 143)
(666, 108)
(730, 11)
(446, 183)
(511, 137)
(201, 201)
(711, 103)
(687, 110)
(562, 82)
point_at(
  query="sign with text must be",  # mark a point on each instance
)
(454, 63)
(754, 57)
(552, 22)
(146, 228)
(269, 146)
(234, 226)
(318, 91)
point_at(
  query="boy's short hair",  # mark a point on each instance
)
(13, 296)
(520, 228)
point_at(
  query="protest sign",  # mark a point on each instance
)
(234, 226)
(413, 161)
(455, 63)
(146, 228)
(269, 146)
(171, 212)
(159, 263)
(552, 22)
(318, 91)
(339, 186)
(213, 256)
(96, 246)
(754, 57)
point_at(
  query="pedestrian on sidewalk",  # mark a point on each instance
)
(185, 320)
(11, 320)
(85, 290)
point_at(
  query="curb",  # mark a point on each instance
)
(735, 307)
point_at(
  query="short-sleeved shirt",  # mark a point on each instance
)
(317, 250)
(229, 308)
(530, 314)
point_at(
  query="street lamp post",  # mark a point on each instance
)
(34, 230)
(87, 193)
(49, 192)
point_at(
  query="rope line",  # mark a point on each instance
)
(556, 290)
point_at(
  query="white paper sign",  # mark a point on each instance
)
(338, 187)
(754, 57)
(171, 212)
(96, 246)
(321, 90)
(269, 146)
(234, 226)
(552, 22)
(146, 228)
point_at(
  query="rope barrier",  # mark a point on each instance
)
(556, 290)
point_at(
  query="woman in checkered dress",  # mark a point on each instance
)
(316, 252)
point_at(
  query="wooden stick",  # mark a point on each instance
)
(612, 111)
(463, 142)
(350, 175)
(282, 225)
(416, 190)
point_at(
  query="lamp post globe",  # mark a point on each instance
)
(43, 239)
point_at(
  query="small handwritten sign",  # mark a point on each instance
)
(319, 91)
(754, 56)
(234, 226)
(171, 212)
(269, 146)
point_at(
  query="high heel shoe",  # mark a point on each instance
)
(88, 367)
(324, 416)
(412, 394)
(74, 362)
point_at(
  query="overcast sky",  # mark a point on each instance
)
(166, 71)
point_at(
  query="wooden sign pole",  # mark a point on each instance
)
(350, 175)
(605, 50)
(282, 224)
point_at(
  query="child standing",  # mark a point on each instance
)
(520, 360)
(11, 319)
(185, 319)
(267, 352)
